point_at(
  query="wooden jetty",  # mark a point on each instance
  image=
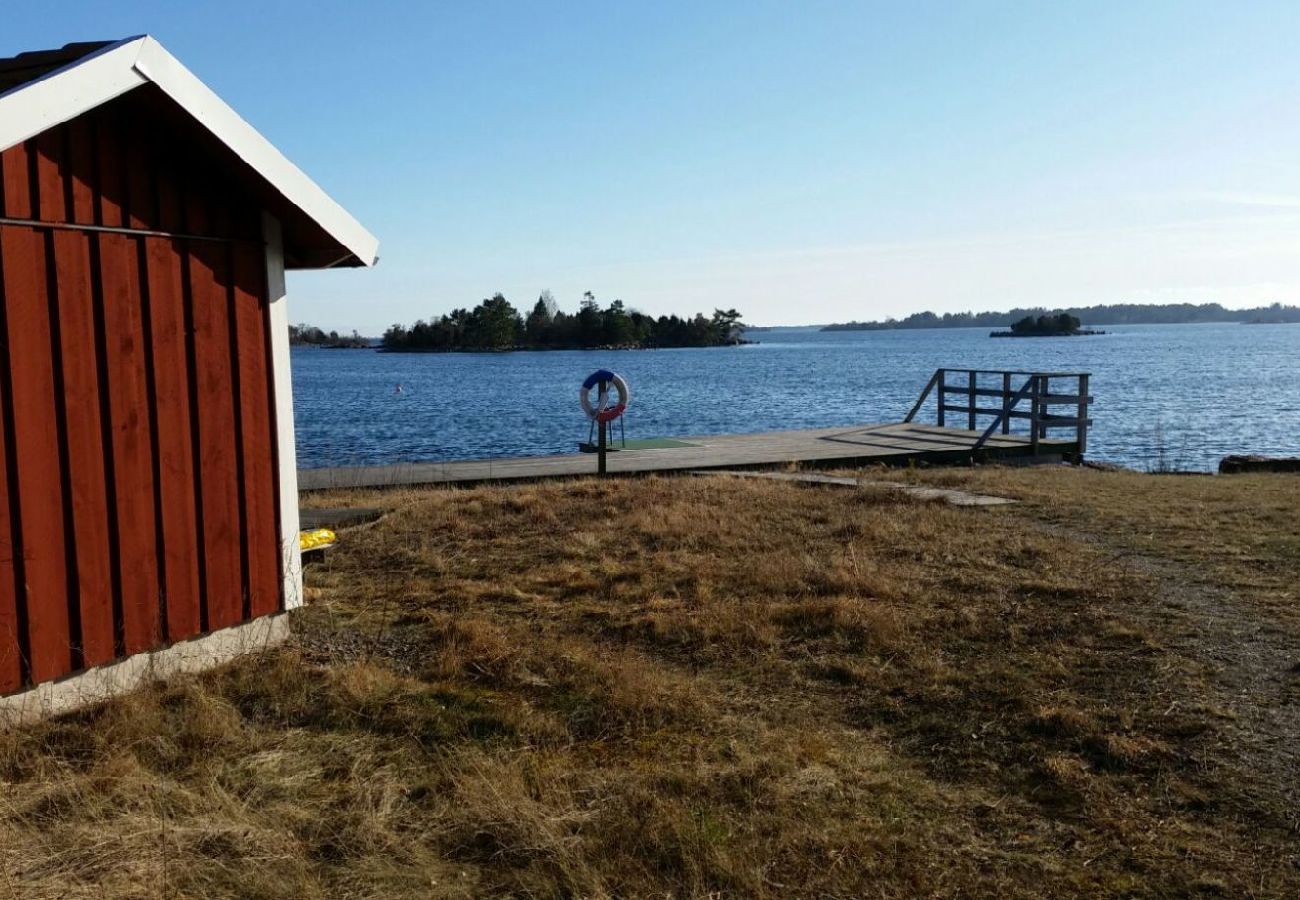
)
(974, 413)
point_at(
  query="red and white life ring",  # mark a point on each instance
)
(602, 411)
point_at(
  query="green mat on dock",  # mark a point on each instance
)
(654, 444)
(645, 444)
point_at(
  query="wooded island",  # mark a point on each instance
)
(495, 324)
(1060, 325)
(1105, 314)
(303, 335)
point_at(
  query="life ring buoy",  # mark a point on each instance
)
(602, 412)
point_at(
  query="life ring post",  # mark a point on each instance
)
(603, 412)
(602, 445)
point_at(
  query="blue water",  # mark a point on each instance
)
(1178, 395)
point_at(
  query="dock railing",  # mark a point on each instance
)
(976, 395)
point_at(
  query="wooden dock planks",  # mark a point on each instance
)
(890, 444)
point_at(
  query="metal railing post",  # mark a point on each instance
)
(1081, 430)
(1034, 412)
(943, 375)
(970, 400)
(1006, 402)
(1043, 413)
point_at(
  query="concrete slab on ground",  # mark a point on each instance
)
(946, 495)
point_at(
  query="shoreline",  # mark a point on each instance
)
(1048, 334)
(533, 349)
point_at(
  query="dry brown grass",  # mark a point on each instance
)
(704, 687)
(1239, 531)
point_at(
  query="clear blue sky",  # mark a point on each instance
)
(801, 161)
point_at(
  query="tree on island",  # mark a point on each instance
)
(541, 319)
(590, 332)
(311, 336)
(495, 324)
(728, 326)
(1062, 323)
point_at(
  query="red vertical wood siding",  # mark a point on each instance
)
(11, 673)
(85, 446)
(249, 276)
(81, 170)
(129, 411)
(137, 447)
(218, 467)
(35, 438)
(13, 202)
(178, 521)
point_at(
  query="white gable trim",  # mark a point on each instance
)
(196, 98)
(64, 94)
(38, 106)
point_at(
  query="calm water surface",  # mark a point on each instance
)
(1193, 392)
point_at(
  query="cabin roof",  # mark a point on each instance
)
(36, 64)
(44, 88)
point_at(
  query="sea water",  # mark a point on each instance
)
(1177, 396)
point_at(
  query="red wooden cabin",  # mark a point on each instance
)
(148, 489)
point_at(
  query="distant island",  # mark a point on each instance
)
(311, 336)
(495, 325)
(1270, 316)
(1110, 314)
(1061, 325)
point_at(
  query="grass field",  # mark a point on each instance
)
(681, 687)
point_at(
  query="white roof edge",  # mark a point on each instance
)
(85, 84)
(66, 93)
(179, 83)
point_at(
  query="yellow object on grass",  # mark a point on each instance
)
(316, 539)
